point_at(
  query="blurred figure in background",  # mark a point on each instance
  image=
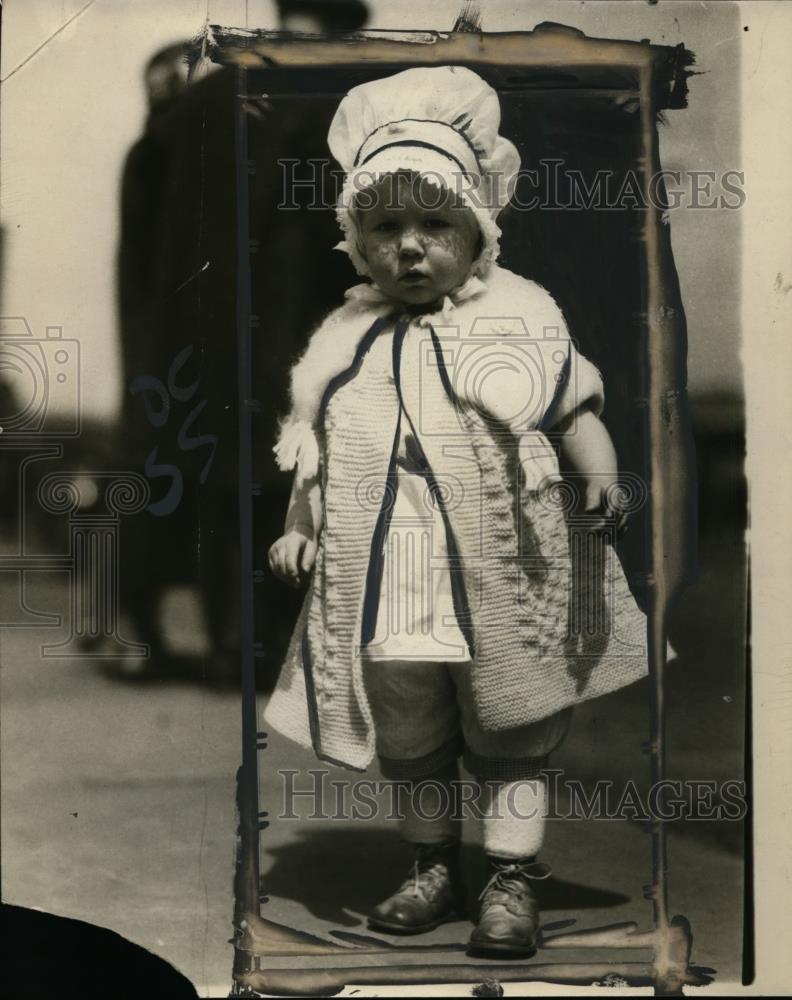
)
(316, 16)
(177, 274)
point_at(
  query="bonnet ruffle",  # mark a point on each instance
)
(441, 122)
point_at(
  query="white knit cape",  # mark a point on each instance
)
(514, 340)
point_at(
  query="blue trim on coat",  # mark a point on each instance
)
(379, 536)
(335, 383)
(458, 592)
(310, 691)
(441, 367)
(379, 324)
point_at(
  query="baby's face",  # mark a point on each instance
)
(418, 241)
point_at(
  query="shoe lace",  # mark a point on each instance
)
(511, 878)
(429, 873)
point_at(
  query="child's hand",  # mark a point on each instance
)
(292, 556)
(602, 501)
(587, 450)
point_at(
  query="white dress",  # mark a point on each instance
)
(415, 616)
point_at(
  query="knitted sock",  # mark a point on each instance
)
(428, 808)
(514, 817)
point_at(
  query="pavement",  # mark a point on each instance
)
(118, 797)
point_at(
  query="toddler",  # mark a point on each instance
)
(442, 614)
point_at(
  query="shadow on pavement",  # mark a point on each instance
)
(335, 874)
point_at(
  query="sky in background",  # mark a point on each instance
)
(71, 110)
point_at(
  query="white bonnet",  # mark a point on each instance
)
(438, 121)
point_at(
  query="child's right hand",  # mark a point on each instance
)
(292, 556)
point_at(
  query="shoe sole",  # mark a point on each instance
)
(501, 950)
(383, 925)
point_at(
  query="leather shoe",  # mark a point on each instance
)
(509, 914)
(432, 895)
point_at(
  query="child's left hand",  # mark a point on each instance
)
(601, 501)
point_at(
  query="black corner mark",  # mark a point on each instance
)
(84, 961)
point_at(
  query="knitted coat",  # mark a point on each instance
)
(547, 624)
